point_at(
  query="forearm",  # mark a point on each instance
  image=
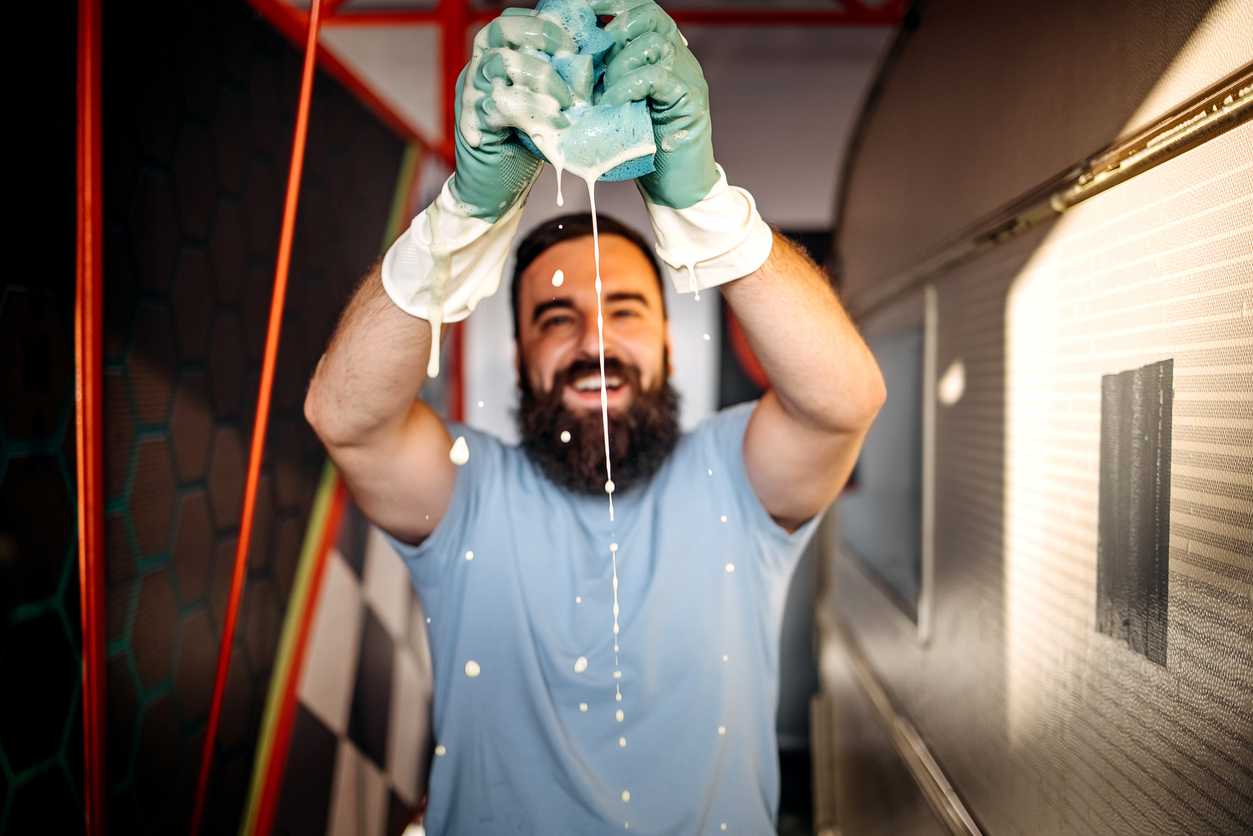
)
(366, 382)
(819, 368)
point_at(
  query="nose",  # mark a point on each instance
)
(589, 339)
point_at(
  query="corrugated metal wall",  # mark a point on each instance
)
(1041, 721)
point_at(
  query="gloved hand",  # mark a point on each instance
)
(650, 60)
(454, 251)
(501, 88)
(707, 231)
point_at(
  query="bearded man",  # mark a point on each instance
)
(594, 674)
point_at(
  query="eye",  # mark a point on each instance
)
(556, 320)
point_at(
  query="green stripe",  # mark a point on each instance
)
(297, 604)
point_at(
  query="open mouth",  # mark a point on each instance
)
(591, 383)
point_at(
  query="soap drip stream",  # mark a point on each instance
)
(600, 333)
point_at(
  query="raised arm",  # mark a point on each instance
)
(803, 438)
(391, 448)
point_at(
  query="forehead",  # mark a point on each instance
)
(623, 269)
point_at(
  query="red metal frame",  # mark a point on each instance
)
(287, 709)
(263, 409)
(89, 415)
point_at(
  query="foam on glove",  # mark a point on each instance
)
(603, 142)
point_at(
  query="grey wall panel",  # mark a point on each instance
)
(1043, 723)
(989, 99)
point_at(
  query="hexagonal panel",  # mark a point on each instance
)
(262, 525)
(228, 250)
(39, 671)
(193, 547)
(263, 209)
(119, 434)
(156, 618)
(235, 40)
(150, 365)
(119, 292)
(195, 185)
(261, 623)
(154, 231)
(263, 106)
(37, 517)
(237, 703)
(152, 495)
(258, 294)
(285, 455)
(45, 803)
(230, 141)
(36, 364)
(226, 478)
(154, 97)
(191, 427)
(286, 554)
(156, 761)
(193, 304)
(195, 667)
(220, 585)
(121, 715)
(197, 63)
(119, 572)
(226, 365)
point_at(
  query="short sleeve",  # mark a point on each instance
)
(724, 443)
(429, 561)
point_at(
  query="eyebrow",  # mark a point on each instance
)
(563, 302)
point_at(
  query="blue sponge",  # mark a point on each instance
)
(597, 132)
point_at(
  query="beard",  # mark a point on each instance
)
(641, 436)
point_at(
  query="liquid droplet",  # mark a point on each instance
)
(705, 337)
(440, 750)
(724, 517)
(428, 619)
(730, 568)
(617, 674)
(613, 547)
(472, 669)
(469, 555)
(724, 657)
(578, 599)
(609, 486)
(622, 743)
(565, 436)
(619, 715)
(626, 795)
(618, 697)
(724, 825)
(558, 278)
(582, 706)
(480, 404)
(710, 472)
(580, 664)
(460, 453)
(722, 729)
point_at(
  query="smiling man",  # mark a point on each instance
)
(590, 674)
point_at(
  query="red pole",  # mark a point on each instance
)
(89, 416)
(263, 410)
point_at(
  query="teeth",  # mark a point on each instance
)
(589, 384)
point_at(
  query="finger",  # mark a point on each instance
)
(645, 50)
(655, 81)
(648, 17)
(517, 31)
(518, 69)
(532, 112)
(612, 7)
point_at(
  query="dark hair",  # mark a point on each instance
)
(553, 232)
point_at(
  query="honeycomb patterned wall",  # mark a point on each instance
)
(41, 747)
(199, 109)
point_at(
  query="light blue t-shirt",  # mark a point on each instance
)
(532, 743)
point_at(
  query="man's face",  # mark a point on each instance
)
(557, 325)
(559, 418)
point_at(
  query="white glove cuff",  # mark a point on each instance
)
(720, 239)
(476, 252)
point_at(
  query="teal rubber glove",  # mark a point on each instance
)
(501, 88)
(650, 60)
